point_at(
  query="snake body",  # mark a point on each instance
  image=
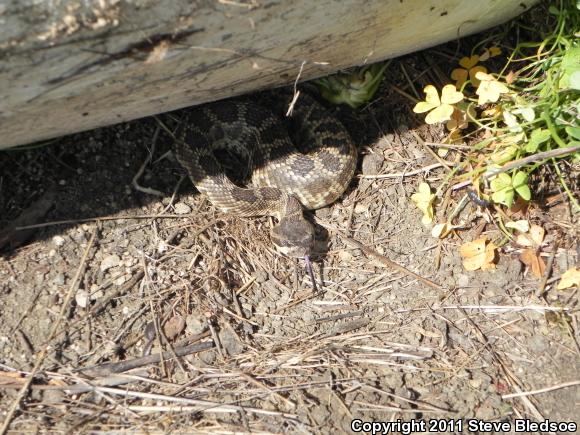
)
(285, 178)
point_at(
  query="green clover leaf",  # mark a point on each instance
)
(505, 187)
(538, 137)
(520, 185)
(503, 192)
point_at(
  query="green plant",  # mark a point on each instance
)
(355, 88)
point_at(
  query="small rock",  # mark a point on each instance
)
(475, 383)
(82, 298)
(361, 208)
(110, 261)
(371, 164)
(345, 256)
(162, 247)
(58, 240)
(53, 396)
(181, 208)
(230, 342)
(79, 236)
(195, 324)
(462, 373)
(208, 357)
(173, 327)
(261, 276)
(402, 393)
(59, 279)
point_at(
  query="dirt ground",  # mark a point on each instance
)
(264, 354)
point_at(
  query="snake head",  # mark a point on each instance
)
(293, 237)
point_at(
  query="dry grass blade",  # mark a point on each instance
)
(202, 405)
(403, 174)
(541, 390)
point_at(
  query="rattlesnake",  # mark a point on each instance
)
(284, 179)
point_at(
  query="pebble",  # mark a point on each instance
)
(182, 208)
(58, 240)
(82, 298)
(195, 324)
(361, 208)
(110, 261)
(59, 279)
(261, 276)
(371, 164)
(208, 357)
(79, 236)
(345, 256)
(230, 342)
(475, 383)
(173, 327)
(162, 247)
(55, 397)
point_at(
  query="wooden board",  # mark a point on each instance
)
(75, 65)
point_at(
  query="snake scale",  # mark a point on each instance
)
(285, 178)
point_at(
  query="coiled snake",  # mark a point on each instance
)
(284, 178)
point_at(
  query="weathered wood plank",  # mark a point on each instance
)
(67, 66)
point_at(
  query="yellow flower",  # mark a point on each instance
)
(424, 200)
(492, 112)
(440, 109)
(490, 89)
(470, 69)
(570, 278)
(490, 52)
